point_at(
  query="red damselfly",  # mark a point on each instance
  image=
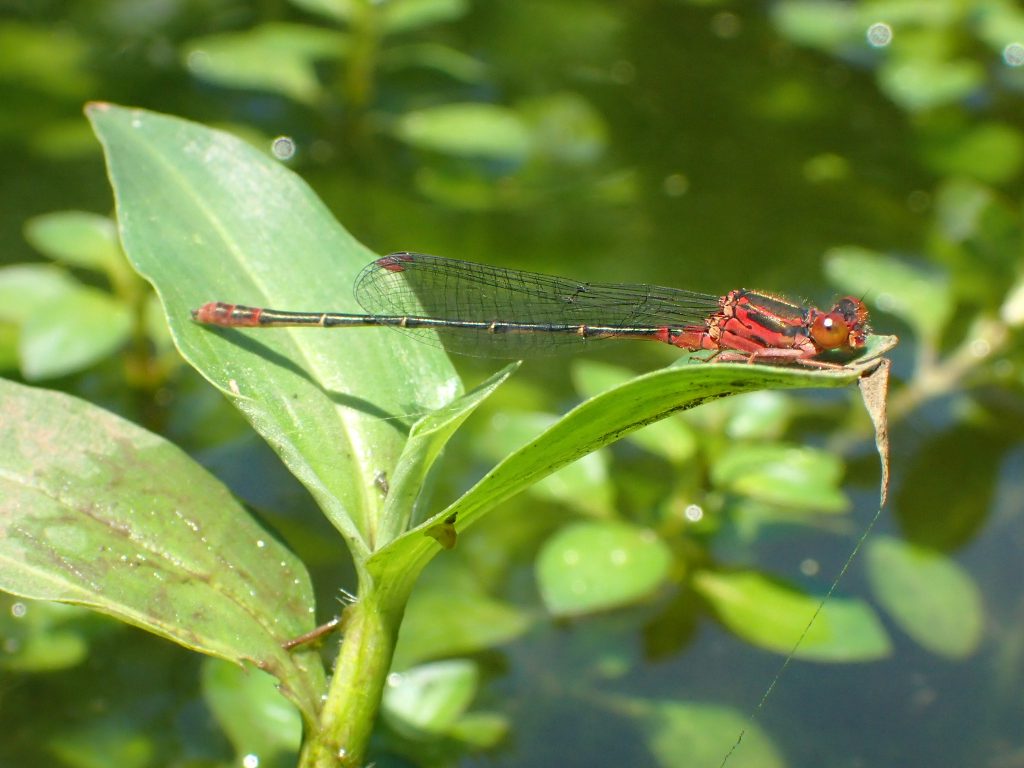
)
(486, 311)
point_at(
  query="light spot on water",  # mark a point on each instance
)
(18, 610)
(980, 348)
(1013, 55)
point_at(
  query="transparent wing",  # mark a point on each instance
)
(418, 285)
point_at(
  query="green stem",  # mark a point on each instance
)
(357, 686)
(362, 63)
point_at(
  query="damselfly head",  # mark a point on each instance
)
(845, 327)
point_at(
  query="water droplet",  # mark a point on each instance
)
(18, 610)
(879, 35)
(810, 567)
(283, 148)
(1013, 55)
(694, 513)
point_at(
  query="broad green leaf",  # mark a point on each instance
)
(775, 616)
(41, 636)
(450, 614)
(921, 83)
(84, 327)
(338, 10)
(408, 15)
(670, 438)
(250, 709)
(596, 566)
(99, 745)
(481, 730)
(440, 58)
(96, 511)
(584, 485)
(605, 419)
(76, 238)
(990, 152)
(206, 217)
(566, 128)
(830, 25)
(427, 438)
(790, 476)
(919, 296)
(1000, 25)
(280, 58)
(932, 599)
(428, 700)
(25, 288)
(759, 416)
(467, 130)
(685, 733)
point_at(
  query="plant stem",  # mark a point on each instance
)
(347, 720)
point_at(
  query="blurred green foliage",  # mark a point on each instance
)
(876, 143)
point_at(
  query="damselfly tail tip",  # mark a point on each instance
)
(206, 314)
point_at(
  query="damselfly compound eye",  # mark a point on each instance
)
(830, 331)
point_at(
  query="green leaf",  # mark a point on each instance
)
(76, 238)
(24, 288)
(84, 327)
(450, 614)
(427, 438)
(566, 128)
(584, 485)
(277, 57)
(922, 83)
(338, 10)
(785, 475)
(931, 597)
(602, 420)
(596, 566)
(250, 709)
(41, 636)
(684, 733)
(428, 700)
(775, 616)
(95, 511)
(408, 15)
(919, 296)
(467, 130)
(480, 730)
(440, 58)
(759, 416)
(990, 152)
(206, 217)
(671, 439)
(830, 25)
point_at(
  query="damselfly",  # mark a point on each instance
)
(487, 311)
